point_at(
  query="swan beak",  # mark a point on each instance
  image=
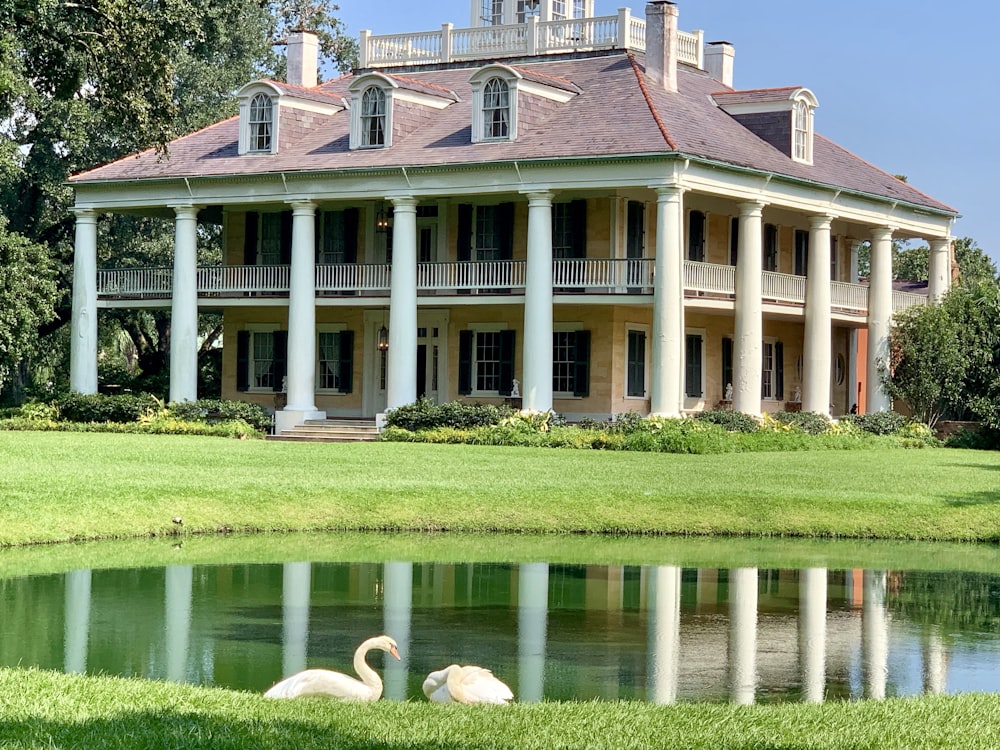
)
(393, 651)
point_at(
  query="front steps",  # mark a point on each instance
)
(330, 430)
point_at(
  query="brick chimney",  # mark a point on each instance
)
(719, 61)
(661, 44)
(303, 57)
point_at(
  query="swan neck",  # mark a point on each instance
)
(368, 675)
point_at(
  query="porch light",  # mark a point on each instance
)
(381, 219)
(383, 339)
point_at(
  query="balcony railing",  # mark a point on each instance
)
(531, 38)
(577, 276)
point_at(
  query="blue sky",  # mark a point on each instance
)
(909, 86)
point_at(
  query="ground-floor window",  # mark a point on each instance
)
(335, 361)
(636, 364)
(772, 370)
(571, 363)
(261, 359)
(486, 361)
(693, 371)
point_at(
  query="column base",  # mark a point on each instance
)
(286, 419)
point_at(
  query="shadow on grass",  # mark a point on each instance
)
(975, 498)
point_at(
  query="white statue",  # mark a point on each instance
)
(515, 389)
(729, 392)
(797, 394)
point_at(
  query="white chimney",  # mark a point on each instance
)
(303, 58)
(719, 61)
(661, 44)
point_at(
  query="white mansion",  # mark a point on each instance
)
(582, 204)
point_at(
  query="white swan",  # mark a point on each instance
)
(328, 684)
(469, 684)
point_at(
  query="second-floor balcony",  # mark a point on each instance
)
(585, 276)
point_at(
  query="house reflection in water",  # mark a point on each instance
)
(552, 631)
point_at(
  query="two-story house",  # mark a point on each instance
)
(585, 205)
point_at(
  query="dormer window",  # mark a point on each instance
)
(496, 110)
(373, 117)
(261, 124)
(782, 117)
(802, 132)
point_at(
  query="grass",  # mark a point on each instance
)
(57, 487)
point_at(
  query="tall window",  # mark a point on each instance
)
(488, 361)
(767, 371)
(329, 360)
(636, 365)
(492, 12)
(770, 247)
(562, 231)
(563, 361)
(734, 240)
(332, 240)
(696, 236)
(496, 109)
(373, 117)
(262, 364)
(800, 130)
(527, 9)
(801, 252)
(261, 123)
(270, 239)
(487, 234)
(693, 365)
(833, 259)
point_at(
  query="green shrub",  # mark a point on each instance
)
(983, 439)
(628, 422)
(124, 407)
(733, 421)
(425, 414)
(810, 422)
(214, 410)
(879, 422)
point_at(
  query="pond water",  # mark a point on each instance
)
(551, 630)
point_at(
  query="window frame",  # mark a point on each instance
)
(248, 95)
(574, 363)
(379, 118)
(689, 334)
(479, 81)
(360, 88)
(643, 330)
(802, 131)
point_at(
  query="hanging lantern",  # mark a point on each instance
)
(381, 219)
(383, 339)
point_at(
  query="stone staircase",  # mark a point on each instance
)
(331, 430)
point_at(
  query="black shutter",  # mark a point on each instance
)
(243, 360)
(734, 240)
(779, 370)
(280, 358)
(692, 366)
(578, 228)
(465, 362)
(318, 234)
(506, 363)
(505, 230)
(696, 236)
(727, 363)
(463, 248)
(581, 365)
(351, 222)
(286, 238)
(346, 373)
(250, 238)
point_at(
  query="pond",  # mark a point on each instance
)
(552, 629)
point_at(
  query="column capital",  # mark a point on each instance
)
(751, 208)
(940, 243)
(185, 210)
(85, 214)
(403, 203)
(821, 221)
(539, 197)
(883, 233)
(301, 207)
(665, 193)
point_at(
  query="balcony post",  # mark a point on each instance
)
(666, 384)
(749, 326)
(879, 319)
(624, 28)
(301, 377)
(184, 306)
(83, 345)
(401, 385)
(939, 268)
(537, 370)
(818, 334)
(363, 48)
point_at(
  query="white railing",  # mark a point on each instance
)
(463, 275)
(602, 274)
(238, 280)
(782, 287)
(710, 278)
(851, 297)
(903, 300)
(353, 277)
(533, 37)
(135, 282)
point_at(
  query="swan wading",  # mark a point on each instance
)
(469, 684)
(325, 683)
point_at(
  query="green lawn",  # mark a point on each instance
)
(70, 486)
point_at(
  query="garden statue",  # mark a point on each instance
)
(515, 389)
(729, 392)
(797, 394)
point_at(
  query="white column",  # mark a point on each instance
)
(296, 583)
(397, 612)
(749, 324)
(184, 306)
(401, 388)
(76, 630)
(177, 603)
(852, 365)
(664, 633)
(532, 616)
(939, 268)
(301, 377)
(879, 319)
(874, 634)
(743, 635)
(817, 344)
(666, 382)
(536, 390)
(812, 633)
(83, 344)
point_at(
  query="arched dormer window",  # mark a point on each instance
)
(373, 117)
(260, 123)
(803, 104)
(496, 110)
